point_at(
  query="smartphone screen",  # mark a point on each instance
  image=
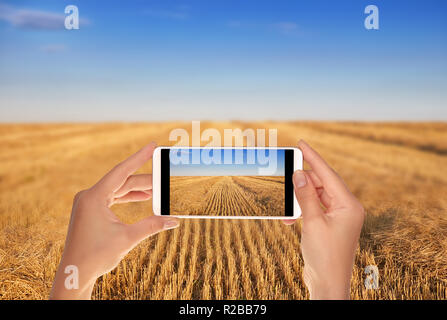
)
(227, 182)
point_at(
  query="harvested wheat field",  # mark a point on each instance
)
(227, 195)
(397, 170)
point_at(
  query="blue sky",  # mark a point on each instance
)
(150, 60)
(246, 166)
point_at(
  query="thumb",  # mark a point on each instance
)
(150, 226)
(306, 195)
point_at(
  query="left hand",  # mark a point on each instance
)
(97, 240)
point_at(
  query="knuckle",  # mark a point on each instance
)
(132, 182)
(82, 198)
(120, 168)
(154, 225)
(358, 208)
(306, 195)
(78, 196)
(362, 212)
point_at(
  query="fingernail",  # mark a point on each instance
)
(171, 224)
(299, 179)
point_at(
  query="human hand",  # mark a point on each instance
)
(97, 240)
(332, 221)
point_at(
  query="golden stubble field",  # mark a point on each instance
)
(397, 170)
(227, 195)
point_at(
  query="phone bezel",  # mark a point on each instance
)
(156, 184)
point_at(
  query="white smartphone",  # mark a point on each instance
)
(225, 182)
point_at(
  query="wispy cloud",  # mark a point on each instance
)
(32, 19)
(283, 27)
(286, 27)
(234, 23)
(53, 48)
(241, 24)
(178, 13)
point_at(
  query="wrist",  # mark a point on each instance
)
(329, 290)
(335, 287)
(72, 282)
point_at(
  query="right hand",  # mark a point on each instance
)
(332, 221)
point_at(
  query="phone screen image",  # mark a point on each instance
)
(227, 182)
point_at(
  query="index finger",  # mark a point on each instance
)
(116, 177)
(332, 183)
